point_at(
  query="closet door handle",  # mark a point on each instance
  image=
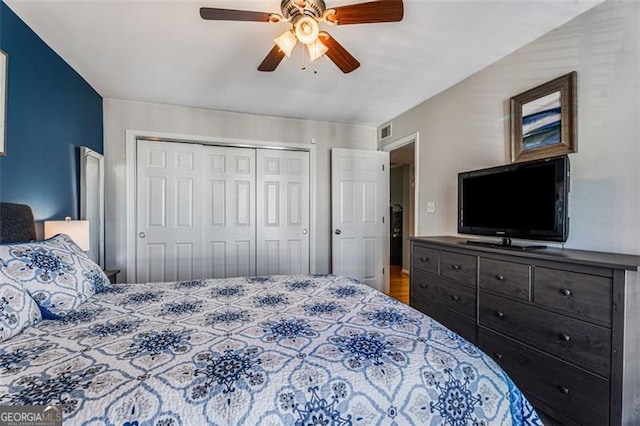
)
(338, 232)
(500, 277)
(142, 235)
(304, 231)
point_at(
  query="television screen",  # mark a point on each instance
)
(522, 200)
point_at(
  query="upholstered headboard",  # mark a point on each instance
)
(16, 223)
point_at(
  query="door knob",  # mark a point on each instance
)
(338, 232)
(304, 231)
(142, 235)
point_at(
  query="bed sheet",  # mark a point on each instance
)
(276, 350)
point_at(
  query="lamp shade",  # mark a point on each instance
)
(286, 42)
(307, 30)
(77, 230)
(316, 49)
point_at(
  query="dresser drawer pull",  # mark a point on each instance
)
(498, 355)
(565, 292)
(425, 259)
(456, 267)
(500, 277)
(565, 337)
(423, 285)
(499, 314)
(455, 298)
(563, 390)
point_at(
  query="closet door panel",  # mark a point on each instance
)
(169, 227)
(229, 211)
(282, 212)
(219, 212)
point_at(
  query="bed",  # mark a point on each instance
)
(275, 350)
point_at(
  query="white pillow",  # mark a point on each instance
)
(56, 272)
(17, 309)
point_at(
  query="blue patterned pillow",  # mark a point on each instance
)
(17, 309)
(56, 272)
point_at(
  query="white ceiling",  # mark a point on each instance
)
(163, 52)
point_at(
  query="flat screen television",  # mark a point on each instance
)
(526, 200)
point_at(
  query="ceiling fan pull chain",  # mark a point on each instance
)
(304, 57)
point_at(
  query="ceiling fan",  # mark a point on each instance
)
(304, 16)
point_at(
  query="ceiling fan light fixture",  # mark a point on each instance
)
(286, 42)
(307, 30)
(316, 49)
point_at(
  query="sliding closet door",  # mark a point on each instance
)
(169, 205)
(229, 226)
(282, 212)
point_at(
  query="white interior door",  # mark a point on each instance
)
(229, 226)
(169, 206)
(282, 212)
(360, 200)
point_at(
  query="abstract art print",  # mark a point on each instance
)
(543, 120)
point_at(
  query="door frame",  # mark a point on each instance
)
(415, 139)
(131, 137)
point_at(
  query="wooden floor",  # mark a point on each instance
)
(399, 284)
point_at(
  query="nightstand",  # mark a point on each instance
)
(112, 275)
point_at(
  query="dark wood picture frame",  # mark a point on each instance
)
(549, 139)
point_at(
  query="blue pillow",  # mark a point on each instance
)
(56, 272)
(17, 309)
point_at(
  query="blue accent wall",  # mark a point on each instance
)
(51, 112)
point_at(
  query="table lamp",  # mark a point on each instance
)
(77, 230)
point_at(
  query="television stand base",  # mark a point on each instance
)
(505, 244)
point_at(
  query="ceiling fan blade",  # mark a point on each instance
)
(338, 54)
(369, 13)
(214, 14)
(272, 60)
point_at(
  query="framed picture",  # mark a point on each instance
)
(544, 121)
(3, 103)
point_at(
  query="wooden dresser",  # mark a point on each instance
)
(564, 324)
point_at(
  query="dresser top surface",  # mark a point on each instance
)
(609, 260)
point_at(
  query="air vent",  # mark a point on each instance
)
(385, 131)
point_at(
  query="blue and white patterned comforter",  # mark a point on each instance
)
(276, 350)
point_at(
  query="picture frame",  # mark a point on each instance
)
(4, 68)
(544, 121)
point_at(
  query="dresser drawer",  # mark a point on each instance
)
(589, 296)
(458, 267)
(511, 279)
(464, 326)
(425, 258)
(578, 394)
(568, 338)
(459, 298)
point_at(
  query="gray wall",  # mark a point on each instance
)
(120, 116)
(467, 126)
